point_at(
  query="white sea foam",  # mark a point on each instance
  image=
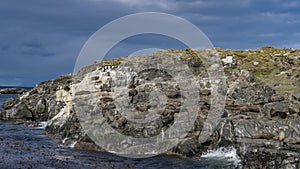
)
(224, 153)
(42, 125)
(64, 140)
(72, 145)
(66, 143)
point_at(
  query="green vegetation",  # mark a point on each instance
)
(278, 68)
(112, 62)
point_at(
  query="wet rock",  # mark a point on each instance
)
(91, 146)
(189, 147)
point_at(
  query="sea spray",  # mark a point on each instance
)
(72, 145)
(224, 153)
(42, 125)
(64, 140)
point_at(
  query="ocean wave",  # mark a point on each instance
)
(42, 125)
(224, 153)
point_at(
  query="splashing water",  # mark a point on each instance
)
(224, 153)
(42, 125)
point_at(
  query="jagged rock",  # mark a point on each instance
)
(189, 147)
(276, 109)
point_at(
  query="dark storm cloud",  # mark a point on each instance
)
(245, 24)
(41, 39)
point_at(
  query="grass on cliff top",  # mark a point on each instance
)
(61, 80)
(274, 65)
(278, 68)
(112, 62)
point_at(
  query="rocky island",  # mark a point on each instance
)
(261, 118)
(13, 90)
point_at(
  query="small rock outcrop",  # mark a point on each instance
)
(39, 104)
(13, 90)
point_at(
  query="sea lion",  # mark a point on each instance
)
(281, 135)
(267, 136)
(240, 116)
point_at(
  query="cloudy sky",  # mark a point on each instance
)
(41, 39)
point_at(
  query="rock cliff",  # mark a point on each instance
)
(260, 119)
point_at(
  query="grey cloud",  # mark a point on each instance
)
(4, 47)
(34, 44)
(41, 39)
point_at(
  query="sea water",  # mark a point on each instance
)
(27, 147)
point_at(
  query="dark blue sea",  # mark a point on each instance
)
(26, 147)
